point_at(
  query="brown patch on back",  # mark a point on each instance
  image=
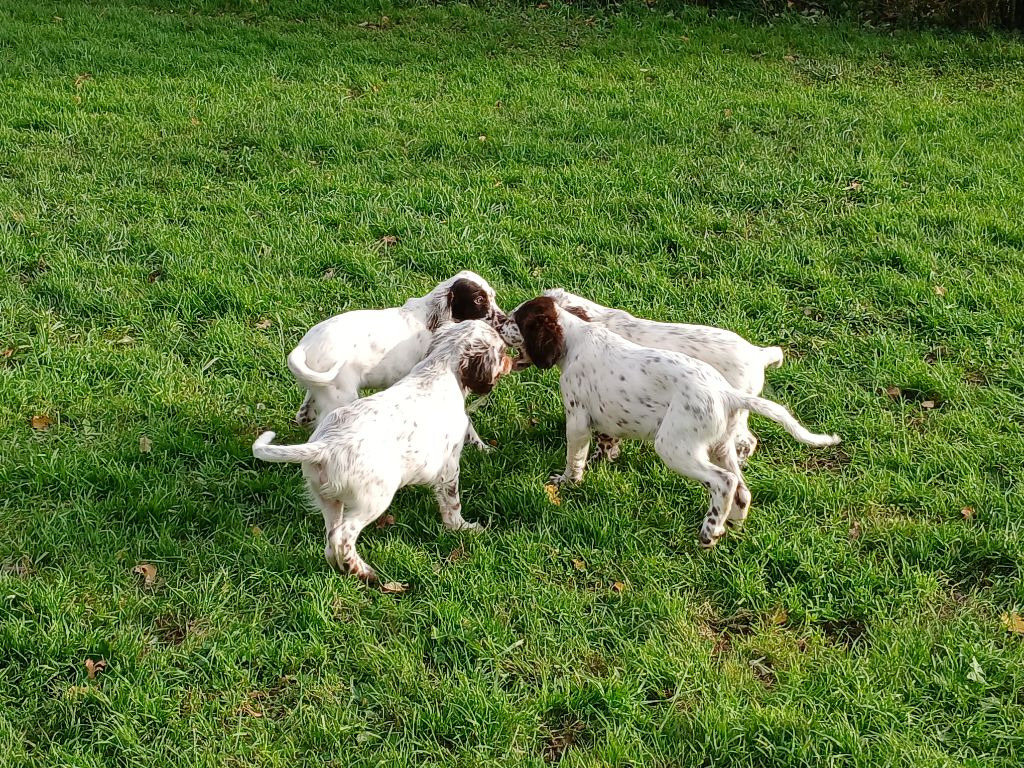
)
(580, 312)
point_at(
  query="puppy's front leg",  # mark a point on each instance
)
(446, 490)
(474, 439)
(577, 440)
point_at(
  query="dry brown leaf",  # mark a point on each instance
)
(41, 422)
(456, 554)
(93, 668)
(8, 352)
(579, 565)
(780, 617)
(481, 137)
(195, 121)
(893, 392)
(789, 58)
(385, 520)
(685, 39)
(618, 586)
(542, 6)
(855, 531)
(145, 445)
(1013, 622)
(125, 340)
(148, 573)
(394, 587)
(928, 404)
(257, 531)
(389, 240)
(727, 113)
(80, 80)
(263, 324)
(939, 290)
(967, 513)
(853, 186)
(19, 217)
(329, 274)
(552, 491)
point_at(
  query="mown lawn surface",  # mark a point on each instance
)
(175, 175)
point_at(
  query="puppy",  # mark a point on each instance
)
(374, 348)
(740, 362)
(621, 389)
(409, 434)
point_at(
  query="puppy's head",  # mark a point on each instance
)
(469, 297)
(478, 352)
(534, 326)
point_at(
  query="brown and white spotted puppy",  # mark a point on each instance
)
(409, 434)
(621, 389)
(374, 348)
(740, 362)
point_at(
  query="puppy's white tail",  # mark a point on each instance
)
(262, 449)
(771, 356)
(302, 372)
(781, 416)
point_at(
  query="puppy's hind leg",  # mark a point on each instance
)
(725, 457)
(686, 459)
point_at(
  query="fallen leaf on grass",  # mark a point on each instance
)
(481, 137)
(263, 324)
(619, 587)
(893, 392)
(145, 445)
(456, 554)
(195, 121)
(8, 352)
(579, 565)
(552, 492)
(81, 79)
(257, 531)
(148, 573)
(125, 340)
(93, 668)
(385, 521)
(780, 617)
(388, 240)
(19, 217)
(928, 404)
(329, 274)
(967, 513)
(41, 422)
(727, 113)
(939, 290)
(1013, 622)
(789, 58)
(542, 6)
(394, 587)
(855, 531)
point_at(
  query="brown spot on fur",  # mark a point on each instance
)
(579, 312)
(479, 371)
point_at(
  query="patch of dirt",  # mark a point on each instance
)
(845, 632)
(562, 737)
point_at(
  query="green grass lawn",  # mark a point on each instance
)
(185, 189)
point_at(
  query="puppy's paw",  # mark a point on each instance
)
(562, 479)
(481, 446)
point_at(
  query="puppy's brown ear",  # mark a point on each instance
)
(477, 371)
(542, 334)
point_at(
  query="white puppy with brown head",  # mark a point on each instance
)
(618, 388)
(740, 362)
(374, 348)
(409, 434)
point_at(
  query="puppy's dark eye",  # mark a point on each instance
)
(479, 300)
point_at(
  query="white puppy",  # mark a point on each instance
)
(409, 434)
(621, 389)
(374, 348)
(740, 362)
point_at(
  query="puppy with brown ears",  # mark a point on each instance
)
(374, 348)
(409, 434)
(685, 406)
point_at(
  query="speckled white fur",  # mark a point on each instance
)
(618, 388)
(740, 362)
(410, 434)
